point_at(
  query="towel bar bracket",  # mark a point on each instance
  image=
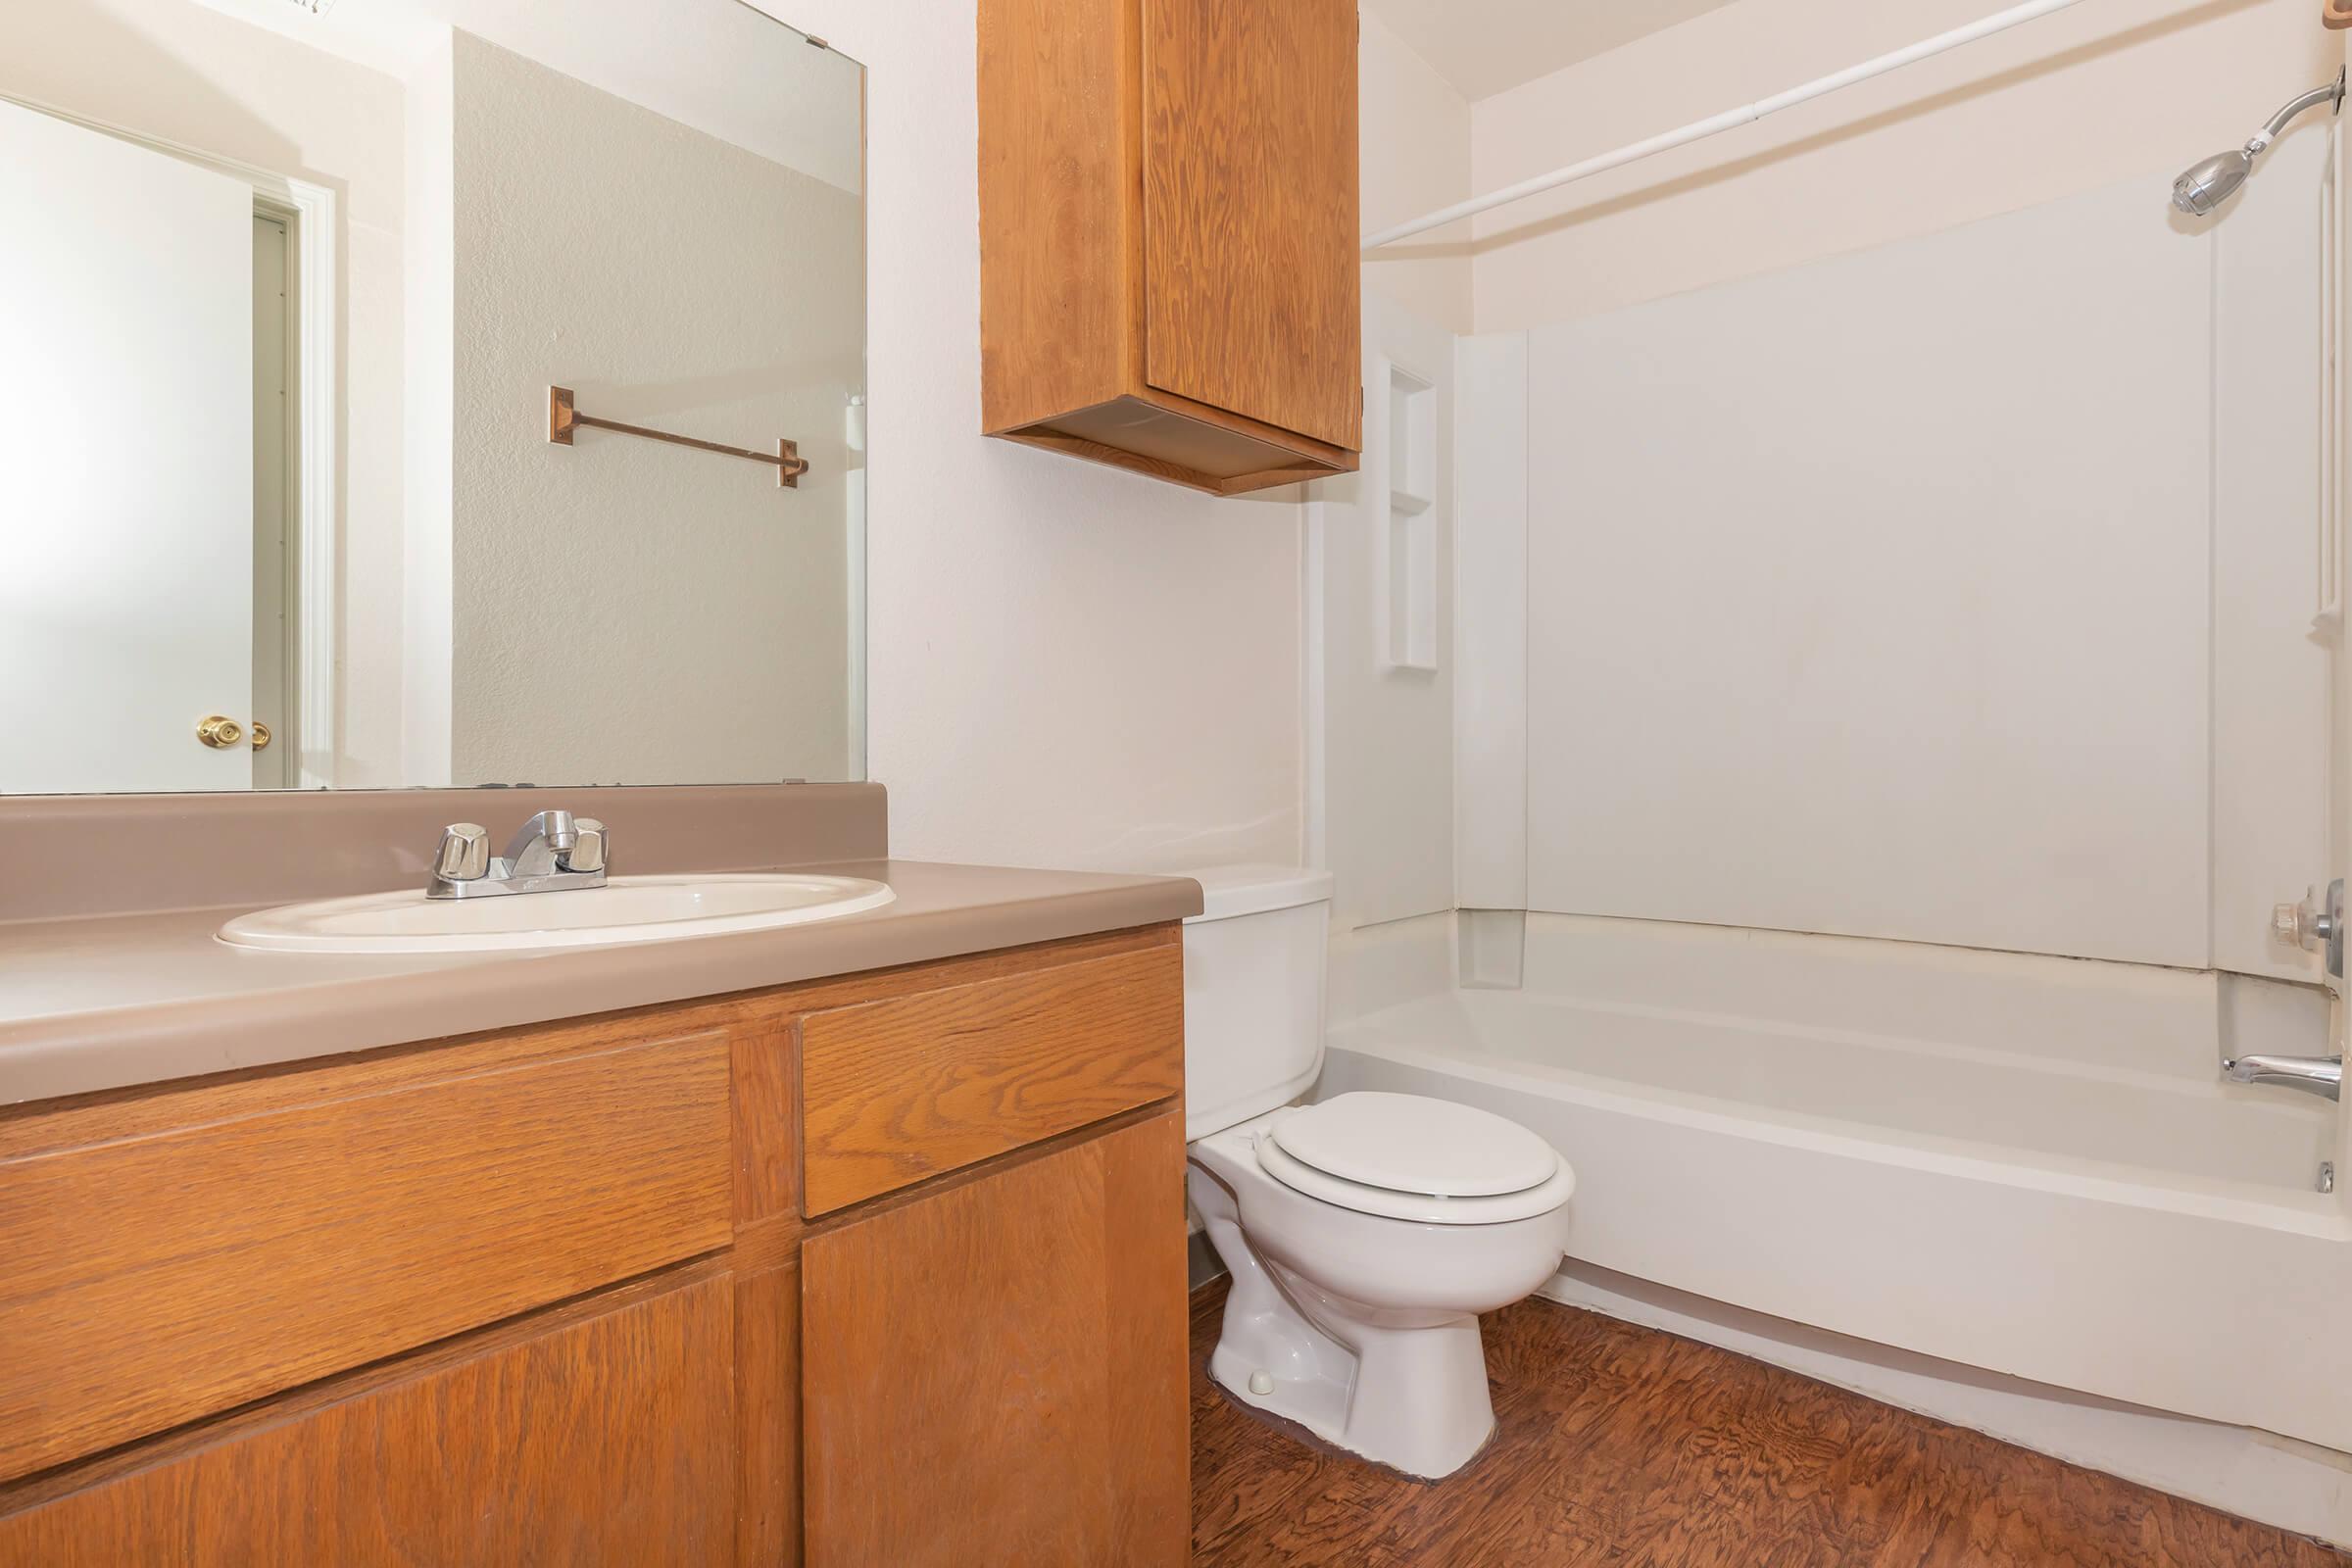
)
(563, 417)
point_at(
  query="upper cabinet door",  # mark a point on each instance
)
(1250, 210)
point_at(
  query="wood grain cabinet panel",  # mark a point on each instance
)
(553, 1297)
(767, 1419)
(606, 1441)
(896, 1091)
(180, 1255)
(995, 1372)
(1168, 235)
(1250, 279)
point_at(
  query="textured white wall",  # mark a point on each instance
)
(181, 73)
(2066, 104)
(1069, 666)
(630, 611)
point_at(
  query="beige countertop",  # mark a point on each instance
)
(111, 1001)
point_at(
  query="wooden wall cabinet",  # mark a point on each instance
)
(626, 1291)
(1168, 235)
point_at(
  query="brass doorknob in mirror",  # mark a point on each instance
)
(261, 735)
(220, 732)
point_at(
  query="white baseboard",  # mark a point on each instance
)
(2278, 1480)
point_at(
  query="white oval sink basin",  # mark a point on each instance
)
(626, 909)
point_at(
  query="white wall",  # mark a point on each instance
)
(1069, 666)
(177, 72)
(628, 611)
(1413, 131)
(2069, 103)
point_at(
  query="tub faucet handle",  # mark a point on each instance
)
(2316, 924)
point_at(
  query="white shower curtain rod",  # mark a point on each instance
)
(1701, 130)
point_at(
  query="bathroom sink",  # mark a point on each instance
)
(626, 909)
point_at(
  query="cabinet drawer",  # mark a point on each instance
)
(896, 1091)
(182, 1252)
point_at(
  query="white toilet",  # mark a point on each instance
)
(1364, 1234)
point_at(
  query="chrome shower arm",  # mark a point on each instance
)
(2332, 93)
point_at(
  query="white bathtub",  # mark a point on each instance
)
(2022, 1164)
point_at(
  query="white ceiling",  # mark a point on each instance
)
(1484, 46)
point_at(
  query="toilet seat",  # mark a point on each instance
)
(1410, 1158)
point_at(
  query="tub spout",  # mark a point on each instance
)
(2320, 1075)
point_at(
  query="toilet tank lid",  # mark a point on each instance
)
(1230, 890)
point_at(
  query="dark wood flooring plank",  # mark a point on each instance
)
(1622, 1448)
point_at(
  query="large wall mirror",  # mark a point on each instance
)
(428, 392)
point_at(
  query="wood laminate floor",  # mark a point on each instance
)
(1619, 1447)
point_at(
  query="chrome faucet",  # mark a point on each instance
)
(2316, 925)
(2320, 1075)
(551, 851)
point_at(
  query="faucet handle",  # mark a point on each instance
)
(588, 850)
(465, 852)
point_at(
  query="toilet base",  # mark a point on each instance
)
(1360, 1327)
(1414, 1399)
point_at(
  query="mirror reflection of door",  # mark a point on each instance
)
(270, 738)
(283, 289)
(127, 460)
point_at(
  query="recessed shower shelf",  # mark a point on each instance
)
(1409, 551)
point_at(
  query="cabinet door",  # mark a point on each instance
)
(608, 1439)
(1250, 270)
(995, 1372)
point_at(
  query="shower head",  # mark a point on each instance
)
(2204, 186)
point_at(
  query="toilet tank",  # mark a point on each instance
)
(1254, 969)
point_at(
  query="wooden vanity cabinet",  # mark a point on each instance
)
(1169, 275)
(600, 1434)
(985, 1369)
(558, 1296)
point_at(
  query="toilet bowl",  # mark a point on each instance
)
(1353, 1309)
(1364, 1234)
